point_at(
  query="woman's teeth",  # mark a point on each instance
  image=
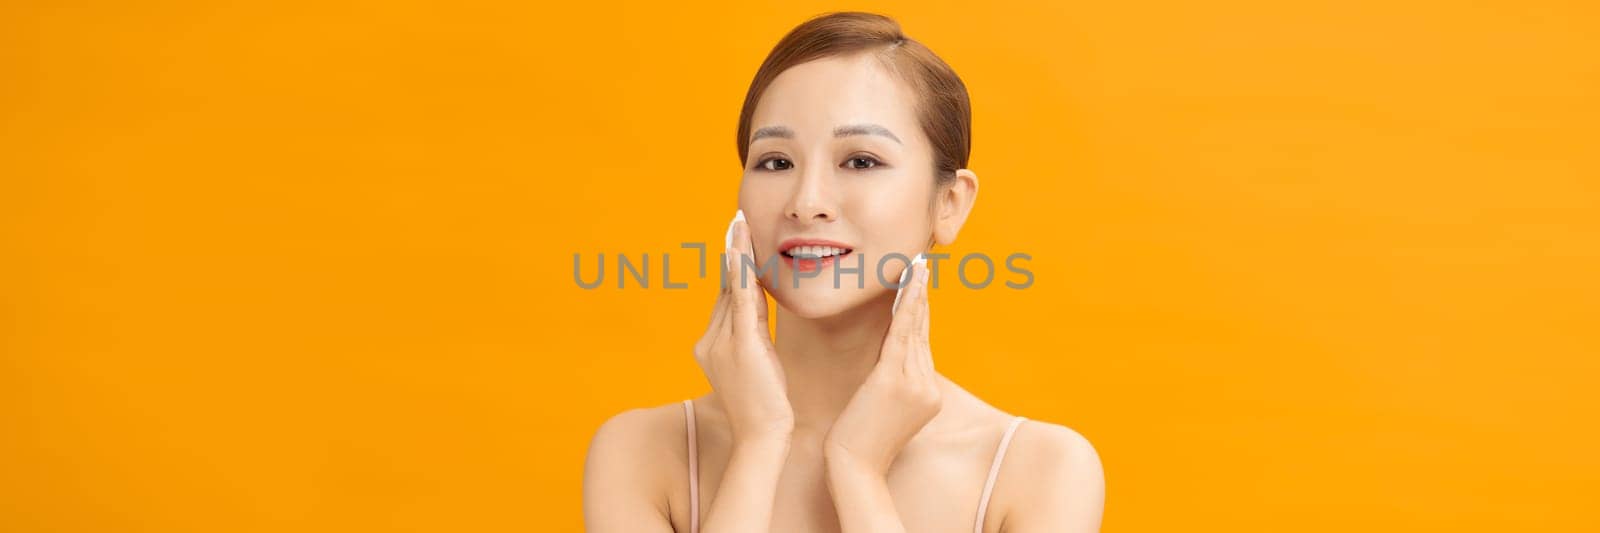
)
(816, 251)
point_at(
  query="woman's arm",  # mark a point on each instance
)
(861, 496)
(623, 485)
(898, 398)
(1058, 479)
(750, 484)
(742, 365)
(622, 481)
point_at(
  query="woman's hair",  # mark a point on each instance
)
(942, 104)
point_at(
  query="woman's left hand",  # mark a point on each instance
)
(899, 396)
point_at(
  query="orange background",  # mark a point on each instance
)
(1305, 266)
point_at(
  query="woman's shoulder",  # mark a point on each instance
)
(1051, 469)
(646, 419)
(1055, 447)
(639, 441)
(644, 429)
(1034, 440)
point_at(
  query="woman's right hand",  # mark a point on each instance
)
(736, 352)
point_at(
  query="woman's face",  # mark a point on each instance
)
(837, 155)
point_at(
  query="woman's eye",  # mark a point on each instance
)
(861, 162)
(775, 164)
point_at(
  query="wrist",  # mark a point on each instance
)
(763, 444)
(851, 481)
(839, 461)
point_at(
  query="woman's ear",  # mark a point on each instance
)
(953, 205)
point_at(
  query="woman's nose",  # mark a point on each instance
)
(812, 198)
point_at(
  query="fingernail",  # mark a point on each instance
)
(911, 268)
(905, 275)
(727, 240)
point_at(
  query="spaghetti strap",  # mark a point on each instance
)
(694, 469)
(994, 471)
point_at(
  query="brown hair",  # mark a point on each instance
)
(943, 106)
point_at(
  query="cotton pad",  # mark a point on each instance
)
(727, 240)
(905, 275)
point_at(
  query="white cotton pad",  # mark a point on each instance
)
(904, 275)
(727, 240)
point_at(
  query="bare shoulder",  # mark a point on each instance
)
(649, 420)
(1055, 449)
(639, 436)
(1054, 478)
(627, 467)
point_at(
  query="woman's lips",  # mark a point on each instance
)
(809, 264)
(807, 254)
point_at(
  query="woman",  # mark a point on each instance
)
(854, 141)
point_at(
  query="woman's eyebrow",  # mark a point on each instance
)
(842, 131)
(864, 129)
(772, 131)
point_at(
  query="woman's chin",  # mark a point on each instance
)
(819, 300)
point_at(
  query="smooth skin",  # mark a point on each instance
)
(841, 422)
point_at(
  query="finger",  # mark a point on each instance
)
(719, 310)
(749, 299)
(747, 247)
(716, 329)
(902, 327)
(917, 306)
(719, 314)
(905, 280)
(923, 354)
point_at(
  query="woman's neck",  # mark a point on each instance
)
(825, 360)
